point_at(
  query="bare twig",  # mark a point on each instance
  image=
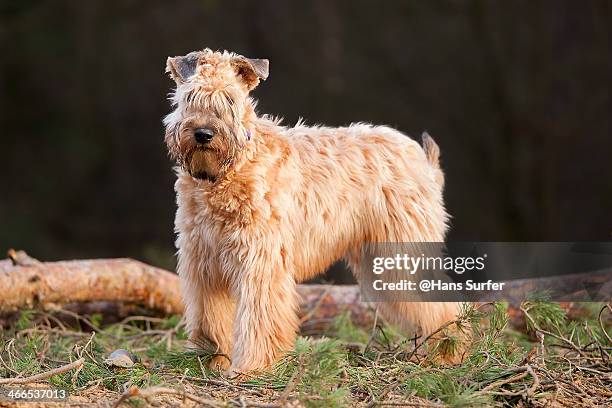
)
(52, 331)
(549, 333)
(601, 325)
(373, 333)
(508, 380)
(43, 376)
(536, 382)
(242, 402)
(426, 339)
(225, 384)
(154, 391)
(142, 319)
(7, 366)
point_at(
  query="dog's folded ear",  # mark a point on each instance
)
(251, 70)
(181, 68)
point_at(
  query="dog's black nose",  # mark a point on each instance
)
(203, 135)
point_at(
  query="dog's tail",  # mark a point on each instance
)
(432, 152)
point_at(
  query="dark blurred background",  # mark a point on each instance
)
(517, 94)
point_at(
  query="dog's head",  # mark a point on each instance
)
(212, 109)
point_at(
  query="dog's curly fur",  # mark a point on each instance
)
(263, 206)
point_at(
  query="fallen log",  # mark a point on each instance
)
(104, 282)
(47, 284)
(28, 283)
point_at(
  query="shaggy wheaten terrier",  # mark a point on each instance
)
(262, 206)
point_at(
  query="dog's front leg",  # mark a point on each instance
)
(217, 321)
(209, 312)
(266, 314)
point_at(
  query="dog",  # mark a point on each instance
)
(262, 207)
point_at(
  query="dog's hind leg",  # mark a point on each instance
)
(398, 308)
(411, 315)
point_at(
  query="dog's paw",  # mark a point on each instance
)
(234, 373)
(219, 362)
(231, 374)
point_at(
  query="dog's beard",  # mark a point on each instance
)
(210, 161)
(202, 163)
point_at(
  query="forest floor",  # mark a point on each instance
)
(554, 361)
